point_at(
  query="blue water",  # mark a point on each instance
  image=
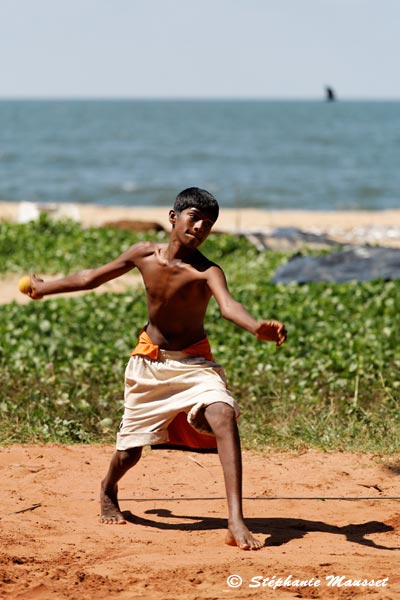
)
(267, 154)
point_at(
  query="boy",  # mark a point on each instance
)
(171, 371)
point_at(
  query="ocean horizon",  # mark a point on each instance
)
(250, 153)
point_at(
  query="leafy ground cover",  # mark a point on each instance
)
(334, 385)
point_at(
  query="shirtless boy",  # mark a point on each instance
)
(171, 370)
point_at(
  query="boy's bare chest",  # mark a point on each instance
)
(166, 280)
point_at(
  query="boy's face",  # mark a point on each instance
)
(192, 226)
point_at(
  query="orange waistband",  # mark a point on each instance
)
(145, 347)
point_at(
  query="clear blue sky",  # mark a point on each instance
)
(199, 48)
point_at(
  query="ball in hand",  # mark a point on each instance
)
(24, 284)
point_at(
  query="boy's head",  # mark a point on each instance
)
(197, 198)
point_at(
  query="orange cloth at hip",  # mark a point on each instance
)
(145, 347)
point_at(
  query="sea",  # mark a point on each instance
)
(312, 155)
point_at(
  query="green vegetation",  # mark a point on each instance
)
(334, 385)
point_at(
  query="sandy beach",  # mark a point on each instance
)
(361, 226)
(230, 218)
(319, 514)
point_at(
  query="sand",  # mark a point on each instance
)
(319, 514)
(232, 220)
(53, 547)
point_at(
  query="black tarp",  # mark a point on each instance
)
(361, 263)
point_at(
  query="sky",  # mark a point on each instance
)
(273, 49)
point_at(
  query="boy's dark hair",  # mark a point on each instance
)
(197, 198)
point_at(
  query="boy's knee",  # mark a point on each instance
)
(129, 457)
(220, 416)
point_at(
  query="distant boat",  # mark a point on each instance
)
(330, 95)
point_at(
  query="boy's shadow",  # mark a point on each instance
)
(280, 531)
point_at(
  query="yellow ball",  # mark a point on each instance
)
(24, 284)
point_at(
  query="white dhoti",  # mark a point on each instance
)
(157, 392)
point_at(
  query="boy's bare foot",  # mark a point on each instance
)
(239, 535)
(110, 512)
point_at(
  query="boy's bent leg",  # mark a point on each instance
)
(221, 418)
(121, 462)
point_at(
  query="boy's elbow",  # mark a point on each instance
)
(88, 280)
(225, 314)
(228, 311)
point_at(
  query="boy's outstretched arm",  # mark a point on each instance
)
(272, 331)
(86, 279)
